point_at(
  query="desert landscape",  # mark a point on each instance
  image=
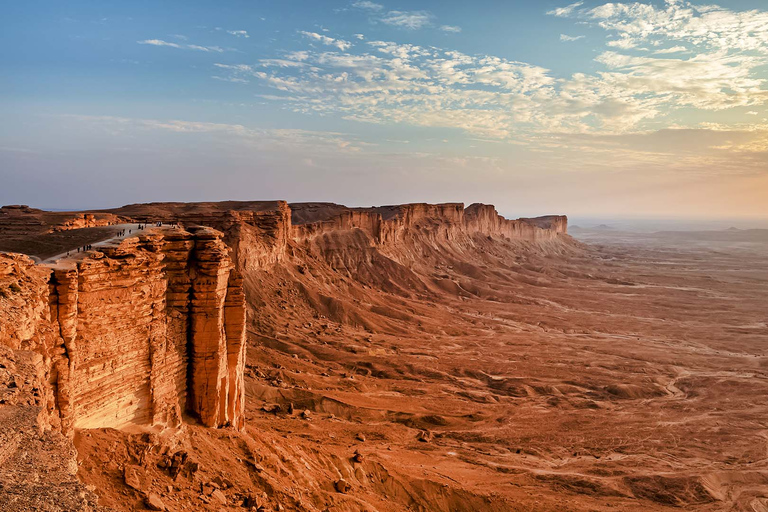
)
(384, 256)
(414, 357)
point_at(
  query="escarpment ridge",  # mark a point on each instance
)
(146, 328)
(149, 328)
(422, 357)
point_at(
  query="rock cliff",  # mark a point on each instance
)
(140, 331)
(144, 330)
(393, 224)
(150, 329)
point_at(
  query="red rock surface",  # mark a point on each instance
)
(130, 338)
(423, 357)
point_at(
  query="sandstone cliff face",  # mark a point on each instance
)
(138, 332)
(483, 218)
(396, 224)
(152, 328)
(216, 358)
(147, 329)
(258, 232)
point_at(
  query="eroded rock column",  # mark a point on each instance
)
(234, 326)
(209, 375)
(65, 285)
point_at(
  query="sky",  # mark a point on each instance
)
(650, 108)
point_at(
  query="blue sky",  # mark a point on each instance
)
(648, 108)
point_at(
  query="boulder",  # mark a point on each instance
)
(154, 502)
(132, 478)
(342, 486)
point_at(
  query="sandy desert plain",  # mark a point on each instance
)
(458, 371)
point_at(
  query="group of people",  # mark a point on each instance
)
(123, 232)
(84, 248)
(158, 224)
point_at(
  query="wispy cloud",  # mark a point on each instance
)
(565, 11)
(493, 97)
(365, 4)
(411, 20)
(160, 42)
(329, 41)
(281, 63)
(257, 137)
(707, 26)
(645, 79)
(674, 49)
(216, 49)
(238, 33)
(231, 79)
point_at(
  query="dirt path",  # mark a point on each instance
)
(73, 254)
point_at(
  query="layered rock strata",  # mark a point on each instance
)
(394, 224)
(139, 332)
(148, 329)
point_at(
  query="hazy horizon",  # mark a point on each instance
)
(647, 108)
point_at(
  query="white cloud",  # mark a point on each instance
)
(412, 20)
(674, 49)
(450, 28)
(624, 43)
(238, 33)
(205, 48)
(299, 55)
(496, 98)
(366, 4)
(709, 27)
(160, 42)
(329, 41)
(281, 63)
(565, 11)
(232, 79)
(359, 37)
(237, 67)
